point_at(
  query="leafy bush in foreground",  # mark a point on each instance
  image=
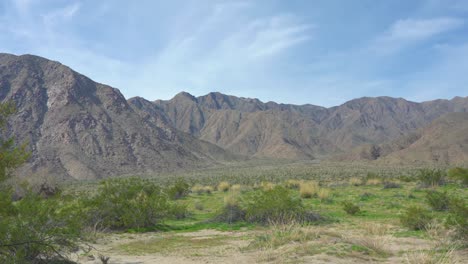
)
(36, 230)
(278, 205)
(416, 218)
(130, 203)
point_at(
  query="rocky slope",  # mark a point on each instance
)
(444, 141)
(251, 127)
(77, 128)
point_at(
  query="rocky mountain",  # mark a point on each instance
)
(444, 141)
(80, 129)
(251, 127)
(77, 128)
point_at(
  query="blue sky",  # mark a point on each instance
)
(319, 52)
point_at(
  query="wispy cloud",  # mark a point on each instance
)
(235, 55)
(406, 32)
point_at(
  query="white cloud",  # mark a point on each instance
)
(241, 51)
(406, 32)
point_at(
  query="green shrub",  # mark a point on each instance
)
(129, 203)
(439, 201)
(458, 218)
(391, 185)
(276, 205)
(37, 230)
(179, 189)
(351, 208)
(431, 177)
(460, 174)
(416, 218)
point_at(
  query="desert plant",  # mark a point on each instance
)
(231, 211)
(308, 189)
(391, 185)
(278, 204)
(129, 203)
(324, 194)
(460, 174)
(223, 186)
(350, 208)
(438, 201)
(292, 184)
(36, 230)
(458, 218)
(179, 189)
(355, 181)
(431, 177)
(416, 218)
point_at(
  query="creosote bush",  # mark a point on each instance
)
(458, 218)
(431, 177)
(130, 203)
(351, 208)
(278, 204)
(416, 218)
(179, 189)
(438, 201)
(37, 230)
(460, 174)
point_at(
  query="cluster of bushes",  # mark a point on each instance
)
(263, 206)
(133, 203)
(419, 218)
(37, 230)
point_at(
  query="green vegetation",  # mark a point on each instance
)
(281, 201)
(460, 174)
(416, 218)
(350, 208)
(431, 177)
(439, 201)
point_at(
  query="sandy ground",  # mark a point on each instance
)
(232, 249)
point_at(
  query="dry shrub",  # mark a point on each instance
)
(355, 181)
(376, 229)
(282, 233)
(377, 244)
(324, 194)
(431, 257)
(267, 186)
(373, 182)
(308, 189)
(224, 186)
(199, 189)
(292, 184)
(236, 188)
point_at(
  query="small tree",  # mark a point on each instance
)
(11, 156)
(32, 230)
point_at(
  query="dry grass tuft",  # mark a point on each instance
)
(292, 184)
(376, 244)
(224, 186)
(308, 189)
(431, 257)
(376, 229)
(324, 194)
(355, 181)
(267, 186)
(373, 182)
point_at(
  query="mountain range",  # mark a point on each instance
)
(79, 129)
